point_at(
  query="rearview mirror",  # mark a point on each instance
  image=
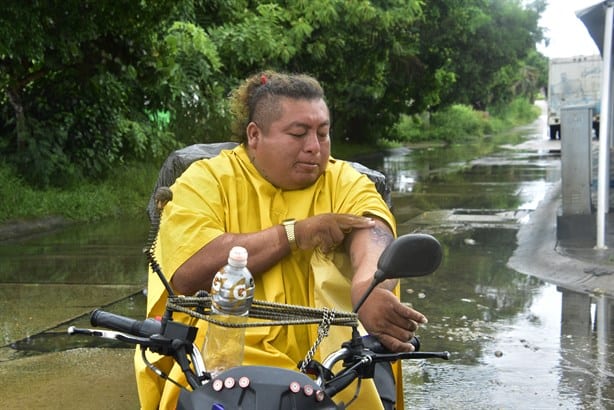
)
(408, 256)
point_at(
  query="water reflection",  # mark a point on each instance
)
(516, 342)
(511, 347)
(57, 339)
(98, 253)
(51, 279)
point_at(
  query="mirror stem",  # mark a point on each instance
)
(377, 279)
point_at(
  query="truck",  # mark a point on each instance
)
(573, 81)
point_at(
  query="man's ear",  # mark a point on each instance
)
(253, 134)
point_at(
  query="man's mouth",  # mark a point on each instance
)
(308, 165)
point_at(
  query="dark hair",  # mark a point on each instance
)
(257, 99)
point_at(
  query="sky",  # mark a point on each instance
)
(568, 35)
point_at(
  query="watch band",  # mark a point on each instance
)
(288, 225)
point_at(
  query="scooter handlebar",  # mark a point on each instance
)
(140, 328)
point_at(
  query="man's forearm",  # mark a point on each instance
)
(366, 246)
(265, 248)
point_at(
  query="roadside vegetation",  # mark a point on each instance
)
(124, 192)
(95, 95)
(458, 122)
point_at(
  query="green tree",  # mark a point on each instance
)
(481, 44)
(362, 51)
(190, 85)
(81, 81)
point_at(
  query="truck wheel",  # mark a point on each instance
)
(555, 131)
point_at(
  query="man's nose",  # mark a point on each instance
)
(312, 142)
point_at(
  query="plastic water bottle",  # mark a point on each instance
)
(232, 292)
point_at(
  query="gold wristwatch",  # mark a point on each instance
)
(289, 228)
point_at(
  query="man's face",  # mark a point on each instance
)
(293, 152)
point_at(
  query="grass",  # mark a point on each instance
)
(460, 122)
(86, 202)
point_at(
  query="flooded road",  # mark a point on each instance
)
(511, 348)
(513, 344)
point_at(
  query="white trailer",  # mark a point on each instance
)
(573, 81)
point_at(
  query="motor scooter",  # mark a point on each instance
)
(314, 385)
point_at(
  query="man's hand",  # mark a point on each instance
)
(392, 322)
(327, 231)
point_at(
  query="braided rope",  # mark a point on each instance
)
(272, 313)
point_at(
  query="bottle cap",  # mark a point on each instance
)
(238, 256)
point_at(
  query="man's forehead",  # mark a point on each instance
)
(301, 111)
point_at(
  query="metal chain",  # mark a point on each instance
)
(323, 328)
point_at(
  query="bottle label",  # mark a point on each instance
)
(232, 294)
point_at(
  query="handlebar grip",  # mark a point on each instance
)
(141, 328)
(373, 344)
(340, 383)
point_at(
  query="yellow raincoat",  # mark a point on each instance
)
(227, 194)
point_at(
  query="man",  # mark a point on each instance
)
(314, 229)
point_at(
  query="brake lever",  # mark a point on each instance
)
(156, 343)
(390, 357)
(111, 335)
